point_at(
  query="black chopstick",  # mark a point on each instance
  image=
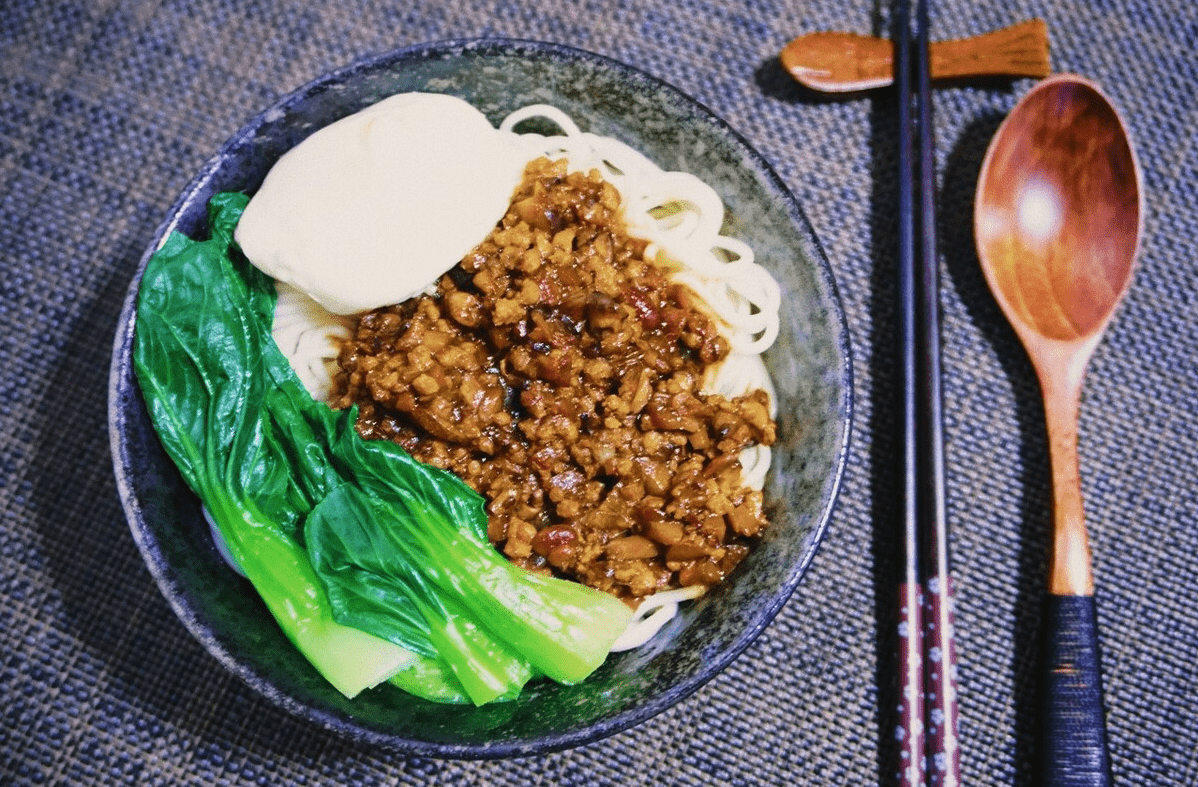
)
(927, 658)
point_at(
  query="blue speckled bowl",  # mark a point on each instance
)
(810, 365)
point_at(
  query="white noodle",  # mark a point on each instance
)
(653, 613)
(681, 217)
(310, 336)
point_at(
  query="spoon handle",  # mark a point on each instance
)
(1074, 739)
(1074, 736)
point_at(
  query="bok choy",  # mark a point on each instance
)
(374, 565)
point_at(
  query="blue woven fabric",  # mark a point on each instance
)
(107, 109)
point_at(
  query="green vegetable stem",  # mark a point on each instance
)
(374, 565)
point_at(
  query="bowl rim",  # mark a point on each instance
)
(121, 374)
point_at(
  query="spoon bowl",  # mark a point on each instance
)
(1058, 212)
(1057, 221)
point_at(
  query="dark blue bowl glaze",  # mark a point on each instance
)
(810, 365)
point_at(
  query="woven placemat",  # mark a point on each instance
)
(107, 109)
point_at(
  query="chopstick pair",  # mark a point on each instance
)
(927, 656)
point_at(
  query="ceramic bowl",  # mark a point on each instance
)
(810, 365)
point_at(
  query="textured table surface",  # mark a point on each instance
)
(107, 109)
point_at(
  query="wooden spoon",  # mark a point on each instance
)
(842, 62)
(1057, 221)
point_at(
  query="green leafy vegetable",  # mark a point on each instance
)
(376, 566)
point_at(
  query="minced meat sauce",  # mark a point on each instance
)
(558, 374)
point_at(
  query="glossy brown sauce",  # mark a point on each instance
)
(558, 373)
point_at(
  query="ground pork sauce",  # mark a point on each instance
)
(559, 375)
